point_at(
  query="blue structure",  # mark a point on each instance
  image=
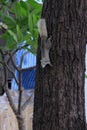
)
(28, 78)
(28, 70)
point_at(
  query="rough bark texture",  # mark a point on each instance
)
(59, 92)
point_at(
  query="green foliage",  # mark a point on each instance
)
(20, 19)
(85, 76)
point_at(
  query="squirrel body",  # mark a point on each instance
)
(45, 43)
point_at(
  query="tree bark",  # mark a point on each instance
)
(59, 93)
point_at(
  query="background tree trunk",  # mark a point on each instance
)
(59, 93)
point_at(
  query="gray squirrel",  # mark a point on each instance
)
(45, 43)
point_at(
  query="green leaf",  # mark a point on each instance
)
(35, 20)
(12, 34)
(34, 4)
(35, 33)
(26, 37)
(36, 11)
(9, 21)
(24, 5)
(17, 9)
(10, 43)
(20, 10)
(23, 12)
(30, 23)
(19, 33)
(4, 36)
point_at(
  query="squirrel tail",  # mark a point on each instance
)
(42, 27)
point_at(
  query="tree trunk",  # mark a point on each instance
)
(59, 94)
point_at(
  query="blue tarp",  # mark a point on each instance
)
(28, 78)
(28, 75)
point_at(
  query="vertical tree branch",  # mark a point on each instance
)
(5, 86)
(20, 92)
